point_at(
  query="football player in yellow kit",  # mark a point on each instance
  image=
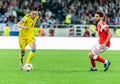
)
(26, 35)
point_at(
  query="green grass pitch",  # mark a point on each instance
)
(58, 67)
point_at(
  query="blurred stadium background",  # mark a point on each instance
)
(55, 13)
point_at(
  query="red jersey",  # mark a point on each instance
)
(103, 30)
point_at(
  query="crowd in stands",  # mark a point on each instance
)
(61, 11)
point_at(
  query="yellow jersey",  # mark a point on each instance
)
(30, 23)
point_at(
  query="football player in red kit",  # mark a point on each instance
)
(103, 43)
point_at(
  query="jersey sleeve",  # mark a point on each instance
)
(37, 17)
(104, 27)
(25, 18)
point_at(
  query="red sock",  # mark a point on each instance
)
(100, 59)
(93, 62)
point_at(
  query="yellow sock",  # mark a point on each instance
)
(21, 58)
(30, 56)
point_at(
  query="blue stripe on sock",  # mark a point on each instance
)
(33, 50)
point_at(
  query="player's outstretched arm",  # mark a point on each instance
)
(19, 24)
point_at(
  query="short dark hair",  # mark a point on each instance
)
(99, 13)
(33, 9)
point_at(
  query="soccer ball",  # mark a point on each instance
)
(28, 67)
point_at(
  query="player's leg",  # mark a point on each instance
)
(31, 53)
(93, 63)
(22, 53)
(22, 44)
(96, 57)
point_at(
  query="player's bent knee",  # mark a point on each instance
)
(33, 50)
(95, 57)
(90, 55)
